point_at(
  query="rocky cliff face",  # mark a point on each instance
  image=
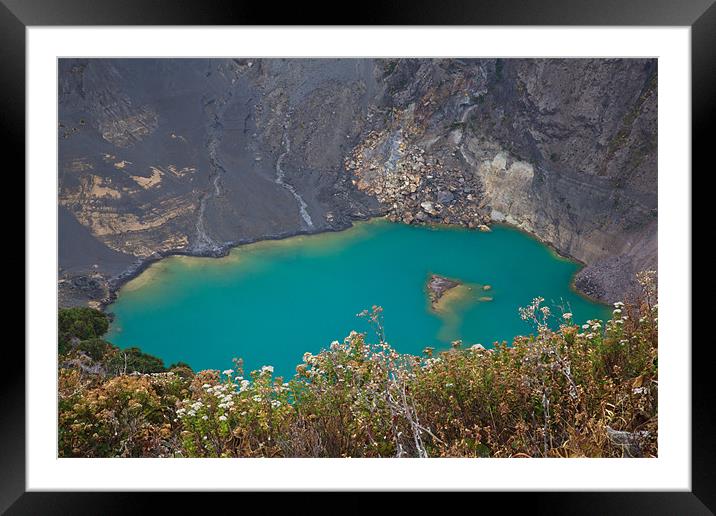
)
(564, 149)
(195, 156)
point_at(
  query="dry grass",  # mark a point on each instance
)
(570, 391)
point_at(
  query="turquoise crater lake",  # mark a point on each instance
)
(271, 301)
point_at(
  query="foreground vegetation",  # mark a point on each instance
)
(565, 391)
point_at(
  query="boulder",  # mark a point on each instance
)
(497, 216)
(428, 207)
(445, 197)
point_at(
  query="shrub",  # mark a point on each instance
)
(133, 360)
(95, 348)
(125, 416)
(81, 323)
(566, 391)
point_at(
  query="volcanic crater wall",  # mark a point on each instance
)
(163, 156)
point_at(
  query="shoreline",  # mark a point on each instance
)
(447, 307)
(116, 283)
(561, 255)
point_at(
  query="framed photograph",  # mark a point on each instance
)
(450, 252)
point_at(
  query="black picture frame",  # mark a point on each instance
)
(700, 15)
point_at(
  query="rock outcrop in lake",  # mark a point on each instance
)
(194, 156)
(438, 286)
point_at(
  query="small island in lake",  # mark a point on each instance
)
(438, 286)
(443, 292)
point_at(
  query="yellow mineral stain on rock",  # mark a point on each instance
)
(151, 181)
(96, 186)
(104, 222)
(180, 172)
(136, 243)
(122, 164)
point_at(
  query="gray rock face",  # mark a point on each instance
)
(193, 156)
(565, 149)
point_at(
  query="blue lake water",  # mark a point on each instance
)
(270, 302)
